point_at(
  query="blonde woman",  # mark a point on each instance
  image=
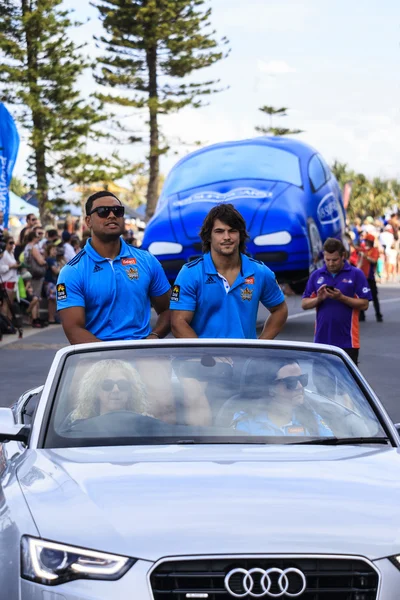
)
(108, 386)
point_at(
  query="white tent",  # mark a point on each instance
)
(19, 207)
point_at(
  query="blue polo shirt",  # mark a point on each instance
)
(114, 293)
(221, 314)
(337, 323)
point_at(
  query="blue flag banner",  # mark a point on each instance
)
(9, 143)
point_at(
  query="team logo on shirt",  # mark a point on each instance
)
(128, 261)
(176, 290)
(132, 273)
(210, 279)
(365, 290)
(347, 281)
(249, 280)
(246, 294)
(61, 291)
(320, 280)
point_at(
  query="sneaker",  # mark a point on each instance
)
(379, 318)
(36, 324)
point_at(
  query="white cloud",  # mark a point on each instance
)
(274, 67)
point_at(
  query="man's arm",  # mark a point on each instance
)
(161, 306)
(275, 321)
(180, 324)
(73, 322)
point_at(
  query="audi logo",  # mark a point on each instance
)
(290, 582)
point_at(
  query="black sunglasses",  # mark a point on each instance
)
(108, 385)
(291, 382)
(104, 211)
(11, 243)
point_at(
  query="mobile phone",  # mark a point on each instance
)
(330, 287)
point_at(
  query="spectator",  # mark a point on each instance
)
(369, 256)
(31, 302)
(217, 296)
(75, 243)
(36, 264)
(338, 291)
(69, 252)
(106, 291)
(50, 279)
(31, 222)
(9, 276)
(1, 222)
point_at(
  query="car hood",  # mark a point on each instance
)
(150, 502)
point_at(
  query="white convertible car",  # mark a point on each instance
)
(199, 469)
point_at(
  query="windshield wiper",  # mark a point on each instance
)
(334, 441)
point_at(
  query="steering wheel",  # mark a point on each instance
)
(120, 422)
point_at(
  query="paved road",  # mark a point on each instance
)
(24, 363)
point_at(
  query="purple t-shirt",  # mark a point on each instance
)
(337, 323)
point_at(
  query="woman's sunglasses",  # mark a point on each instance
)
(108, 385)
(11, 243)
(104, 211)
(292, 381)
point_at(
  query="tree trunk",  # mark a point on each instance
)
(38, 143)
(154, 160)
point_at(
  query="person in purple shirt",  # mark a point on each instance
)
(338, 291)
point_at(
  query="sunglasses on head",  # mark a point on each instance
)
(108, 385)
(292, 381)
(104, 211)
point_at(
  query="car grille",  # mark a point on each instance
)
(326, 579)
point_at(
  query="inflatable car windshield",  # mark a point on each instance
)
(283, 188)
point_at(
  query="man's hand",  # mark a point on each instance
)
(334, 294)
(322, 293)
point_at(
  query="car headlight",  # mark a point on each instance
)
(50, 563)
(278, 238)
(158, 248)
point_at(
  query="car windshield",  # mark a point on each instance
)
(254, 161)
(217, 394)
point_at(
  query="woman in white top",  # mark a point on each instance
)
(9, 275)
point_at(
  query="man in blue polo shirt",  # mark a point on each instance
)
(217, 296)
(106, 291)
(338, 291)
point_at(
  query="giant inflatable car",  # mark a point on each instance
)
(283, 188)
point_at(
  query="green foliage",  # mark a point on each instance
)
(280, 112)
(150, 46)
(18, 186)
(369, 197)
(39, 70)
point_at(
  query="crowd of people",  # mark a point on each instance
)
(382, 237)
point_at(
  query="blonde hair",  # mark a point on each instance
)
(90, 385)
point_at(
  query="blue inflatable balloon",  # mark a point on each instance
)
(284, 189)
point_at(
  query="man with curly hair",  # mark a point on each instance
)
(217, 296)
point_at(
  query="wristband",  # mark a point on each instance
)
(154, 333)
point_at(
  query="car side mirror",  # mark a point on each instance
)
(9, 430)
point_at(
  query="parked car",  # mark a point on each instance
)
(286, 192)
(213, 469)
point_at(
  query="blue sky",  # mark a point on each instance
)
(336, 65)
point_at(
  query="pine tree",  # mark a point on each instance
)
(281, 112)
(39, 68)
(149, 45)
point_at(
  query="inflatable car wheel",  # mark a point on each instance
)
(316, 246)
(316, 259)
